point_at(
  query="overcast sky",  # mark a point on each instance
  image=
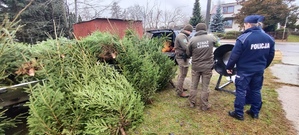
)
(185, 5)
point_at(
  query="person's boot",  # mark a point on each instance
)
(234, 115)
(183, 95)
(192, 104)
(254, 116)
(205, 108)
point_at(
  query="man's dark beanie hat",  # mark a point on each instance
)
(201, 26)
(188, 27)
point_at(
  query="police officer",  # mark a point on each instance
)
(180, 45)
(252, 54)
(200, 48)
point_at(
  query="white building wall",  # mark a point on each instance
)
(237, 7)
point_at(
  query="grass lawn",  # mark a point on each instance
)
(172, 115)
(293, 38)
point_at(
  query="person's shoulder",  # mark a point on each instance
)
(180, 34)
(244, 36)
(194, 39)
(212, 37)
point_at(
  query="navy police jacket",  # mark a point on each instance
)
(253, 51)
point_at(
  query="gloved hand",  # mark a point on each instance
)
(184, 56)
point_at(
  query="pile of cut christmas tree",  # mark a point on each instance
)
(97, 85)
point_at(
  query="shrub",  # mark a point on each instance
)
(295, 33)
(232, 34)
(230, 37)
(220, 35)
(279, 34)
(236, 33)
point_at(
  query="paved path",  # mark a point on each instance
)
(288, 95)
(288, 73)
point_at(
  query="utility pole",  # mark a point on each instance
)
(76, 11)
(208, 14)
(284, 29)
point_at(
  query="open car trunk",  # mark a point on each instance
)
(168, 46)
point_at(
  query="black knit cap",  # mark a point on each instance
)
(188, 27)
(201, 26)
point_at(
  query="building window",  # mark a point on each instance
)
(228, 10)
(228, 23)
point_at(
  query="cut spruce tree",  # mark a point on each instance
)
(82, 97)
(10, 59)
(82, 91)
(144, 65)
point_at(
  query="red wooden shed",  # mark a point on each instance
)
(114, 26)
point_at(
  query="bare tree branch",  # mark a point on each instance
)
(17, 16)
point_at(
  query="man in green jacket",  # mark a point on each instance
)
(180, 45)
(200, 48)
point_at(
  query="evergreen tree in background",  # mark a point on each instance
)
(80, 18)
(217, 22)
(39, 19)
(196, 18)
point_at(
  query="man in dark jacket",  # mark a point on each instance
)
(252, 54)
(200, 48)
(180, 45)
